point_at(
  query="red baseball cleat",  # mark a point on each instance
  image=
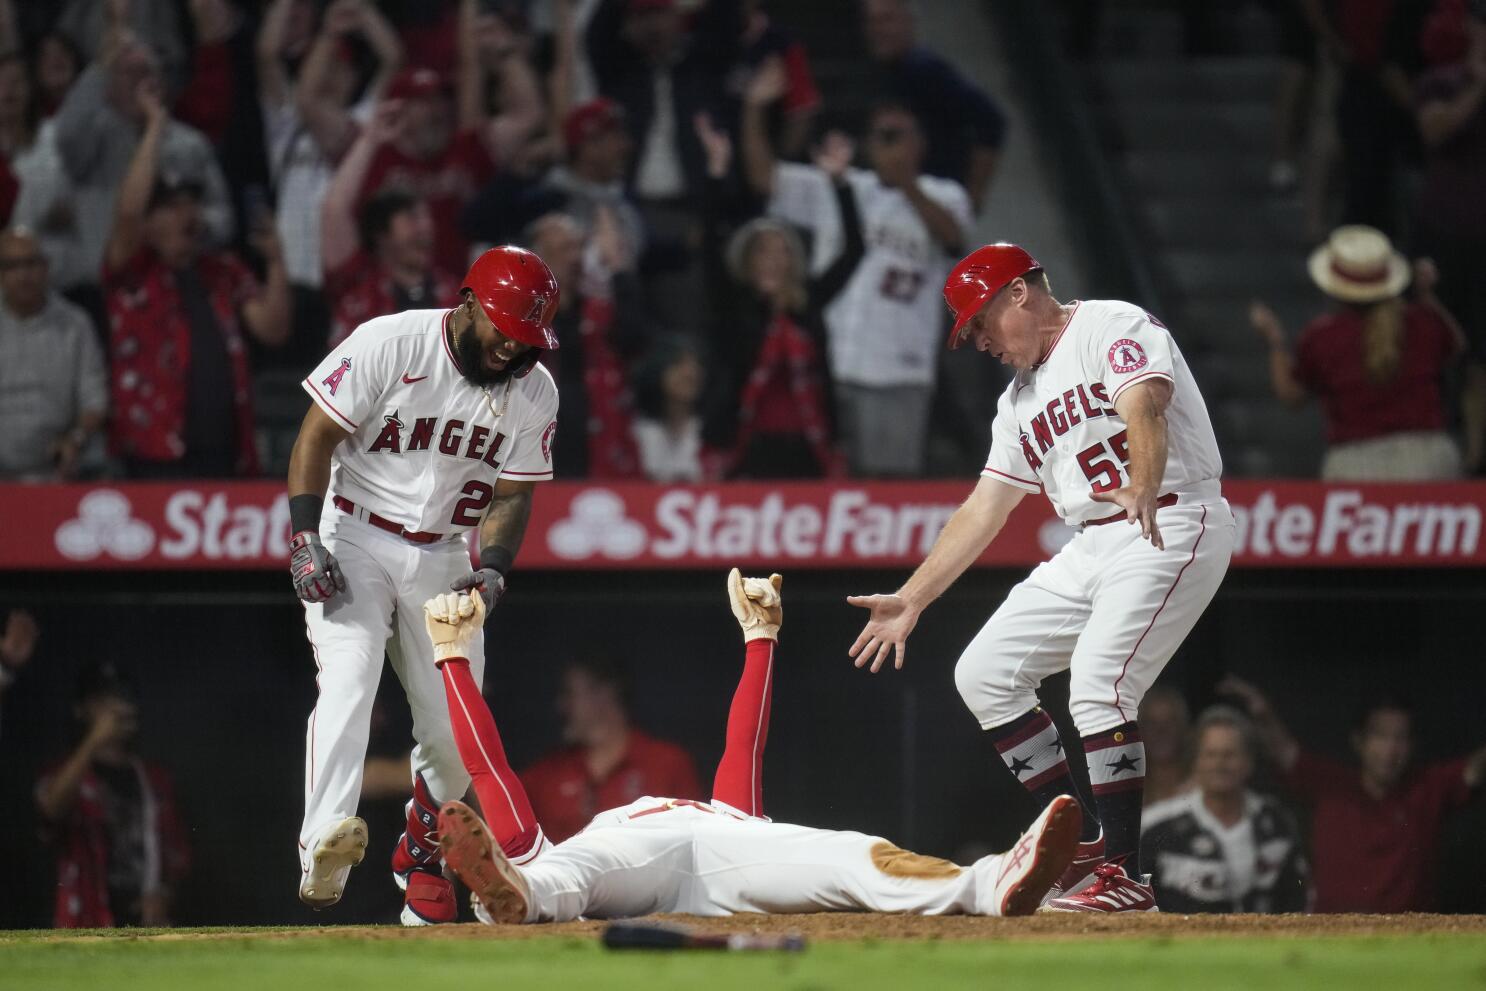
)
(1112, 891)
(429, 900)
(1080, 873)
(476, 860)
(1040, 855)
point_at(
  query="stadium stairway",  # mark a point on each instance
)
(1190, 139)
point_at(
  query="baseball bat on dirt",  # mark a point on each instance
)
(649, 936)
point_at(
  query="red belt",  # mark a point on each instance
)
(383, 523)
(1164, 501)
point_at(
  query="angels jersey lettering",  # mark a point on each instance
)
(1056, 428)
(426, 444)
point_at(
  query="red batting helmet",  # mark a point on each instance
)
(516, 290)
(979, 276)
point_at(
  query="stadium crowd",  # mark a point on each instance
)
(222, 189)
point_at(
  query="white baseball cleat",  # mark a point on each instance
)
(1025, 872)
(332, 851)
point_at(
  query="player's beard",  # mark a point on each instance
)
(471, 355)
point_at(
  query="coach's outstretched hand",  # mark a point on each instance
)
(452, 620)
(757, 604)
(893, 618)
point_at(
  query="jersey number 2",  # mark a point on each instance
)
(1101, 470)
(467, 510)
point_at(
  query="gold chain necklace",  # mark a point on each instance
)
(505, 400)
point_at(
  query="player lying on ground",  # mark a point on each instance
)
(717, 858)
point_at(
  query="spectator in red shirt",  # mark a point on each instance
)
(1376, 363)
(180, 378)
(606, 762)
(380, 257)
(444, 150)
(1375, 828)
(111, 816)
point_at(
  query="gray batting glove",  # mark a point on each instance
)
(317, 576)
(487, 582)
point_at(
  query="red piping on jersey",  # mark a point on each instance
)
(530, 474)
(480, 745)
(1129, 382)
(1014, 478)
(1049, 353)
(754, 796)
(1193, 557)
(444, 337)
(331, 406)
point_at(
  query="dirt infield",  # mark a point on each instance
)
(854, 926)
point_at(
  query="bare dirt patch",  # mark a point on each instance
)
(828, 927)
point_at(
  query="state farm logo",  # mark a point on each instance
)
(104, 526)
(597, 524)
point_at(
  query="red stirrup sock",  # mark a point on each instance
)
(502, 799)
(740, 773)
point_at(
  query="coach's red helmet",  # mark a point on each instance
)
(516, 290)
(979, 276)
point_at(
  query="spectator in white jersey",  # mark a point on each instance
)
(884, 328)
(1219, 847)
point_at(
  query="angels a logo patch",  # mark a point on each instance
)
(1127, 356)
(547, 436)
(333, 380)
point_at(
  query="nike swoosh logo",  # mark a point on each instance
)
(409, 381)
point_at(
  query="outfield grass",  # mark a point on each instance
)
(349, 963)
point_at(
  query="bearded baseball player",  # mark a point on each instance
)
(425, 425)
(705, 858)
(1103, 416)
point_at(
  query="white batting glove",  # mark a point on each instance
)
(757, 604)
(453, 619)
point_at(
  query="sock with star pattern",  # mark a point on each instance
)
(1117, 771)
(1031, 749)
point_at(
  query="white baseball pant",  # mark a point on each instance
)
(381, 611)
(1108, 606)
(686, 859)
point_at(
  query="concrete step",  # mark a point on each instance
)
(1232, 272)
(1184, 171)
(1268, 438)
(1220, 130)
(1199, 220)
(1206, 81)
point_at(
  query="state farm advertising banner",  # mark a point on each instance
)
(245, 525)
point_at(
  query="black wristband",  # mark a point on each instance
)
(304, 513)
(497, 559)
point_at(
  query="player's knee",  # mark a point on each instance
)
(991, 702)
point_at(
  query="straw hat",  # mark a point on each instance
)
(1357, 264)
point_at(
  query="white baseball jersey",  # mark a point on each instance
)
(426, 444)
(884, 328)
(1056, 428)
(667, 855)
